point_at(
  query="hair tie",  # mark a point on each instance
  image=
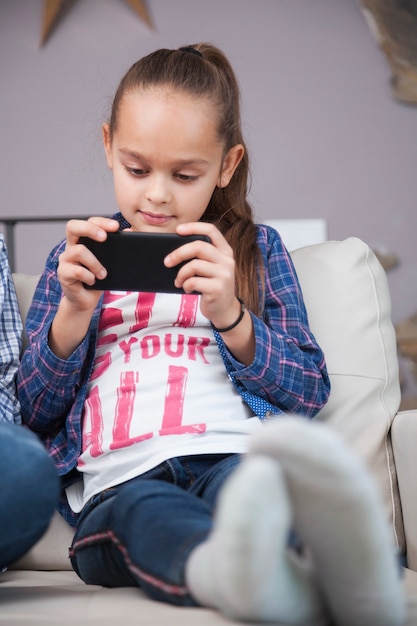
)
(192, 50)
(239, 319)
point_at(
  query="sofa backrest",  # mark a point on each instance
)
(349, 306)
(25, 285)
(348, 302)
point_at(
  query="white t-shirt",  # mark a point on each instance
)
(159, 389)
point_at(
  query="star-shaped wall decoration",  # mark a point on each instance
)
(52, 11)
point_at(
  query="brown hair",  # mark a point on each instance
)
(203, 71)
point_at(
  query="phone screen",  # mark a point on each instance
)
(135, 261)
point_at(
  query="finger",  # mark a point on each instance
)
(200, 285)
(95, 228)
(70, 274)
(204, 228)
(78, 263)
(216, 251)
(194, 250)
(222, 271)
(215, 282)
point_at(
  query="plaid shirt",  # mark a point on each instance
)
(10, 341)
(288, 373)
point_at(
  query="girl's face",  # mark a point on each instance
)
(166, 158)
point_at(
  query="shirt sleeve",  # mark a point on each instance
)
(289, 368)
(47, 385)
(10, 341)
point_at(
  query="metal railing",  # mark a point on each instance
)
(11, 222)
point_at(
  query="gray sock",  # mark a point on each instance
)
(339, 514)
(245, 568)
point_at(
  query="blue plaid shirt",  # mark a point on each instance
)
(10, 341)
(288, 373)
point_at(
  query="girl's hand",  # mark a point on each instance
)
(77, 265)
(211, 271)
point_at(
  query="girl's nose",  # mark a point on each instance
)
(158, 190)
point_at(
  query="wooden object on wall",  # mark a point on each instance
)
(407, 339)
(52, 11)
(407, 347)
(139, 7)
(388, 260)
(393, 23)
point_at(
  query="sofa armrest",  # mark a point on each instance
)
(404, 442)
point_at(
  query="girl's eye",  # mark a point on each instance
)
(135, 172)
(186, 178)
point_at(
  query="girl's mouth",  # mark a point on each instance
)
(155, 219)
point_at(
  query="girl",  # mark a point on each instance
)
(150, 399)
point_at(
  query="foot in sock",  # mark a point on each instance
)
(245, 568)
(339, 515)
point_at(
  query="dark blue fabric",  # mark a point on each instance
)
(141, 533)
(28, 493)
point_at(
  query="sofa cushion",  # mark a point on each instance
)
(51, 551)
(348, 302)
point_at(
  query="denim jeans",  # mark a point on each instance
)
(29, 491)
(140, 533)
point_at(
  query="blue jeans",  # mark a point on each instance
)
(29, 491)
(141, 533)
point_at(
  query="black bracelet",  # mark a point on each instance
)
(239, 319)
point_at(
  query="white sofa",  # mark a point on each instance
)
(348, 302)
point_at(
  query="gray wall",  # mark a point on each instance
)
(326, 137)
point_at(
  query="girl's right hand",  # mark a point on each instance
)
(77, 265)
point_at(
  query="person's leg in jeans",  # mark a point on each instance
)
(29, 491)
(142, 532)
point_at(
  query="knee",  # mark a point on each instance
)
(27, 469)
(141, 499)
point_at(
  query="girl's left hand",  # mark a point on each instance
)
(210, 271)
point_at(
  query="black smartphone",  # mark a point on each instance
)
(135, 261)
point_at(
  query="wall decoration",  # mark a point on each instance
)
(53, 10)
(393, 23)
